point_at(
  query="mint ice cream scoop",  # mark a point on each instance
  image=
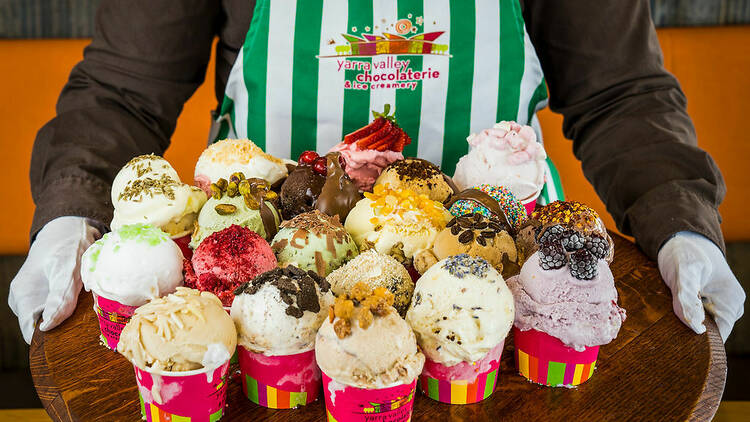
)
(314, 241)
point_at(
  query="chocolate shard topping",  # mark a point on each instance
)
(339, 194)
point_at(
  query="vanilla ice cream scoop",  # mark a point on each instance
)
(461, 309)
(229, 156)
(148, 190)
(279, 312)
(183, 331)
(132, 265)
(506, 154)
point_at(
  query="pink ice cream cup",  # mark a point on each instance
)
(545, 360)
(530, 206)
(345, 403)
(463, 383)
(112, 316)
(184, 243)
(197, 396)
(279, 382)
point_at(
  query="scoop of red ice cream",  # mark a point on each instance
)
(226, 259)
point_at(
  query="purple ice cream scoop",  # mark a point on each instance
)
(580, 313)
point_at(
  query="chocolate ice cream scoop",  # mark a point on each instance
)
(300, 191)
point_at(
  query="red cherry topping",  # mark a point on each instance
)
(308, 157)
(320, 166)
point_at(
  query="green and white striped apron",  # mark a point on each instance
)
(311, 71)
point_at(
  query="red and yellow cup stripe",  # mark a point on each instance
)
(271, 397)
(152, 413)
(552, 373)
(459, 391)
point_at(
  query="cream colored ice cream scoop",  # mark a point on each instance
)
(148, 190)
(461, 309)
(183, 331)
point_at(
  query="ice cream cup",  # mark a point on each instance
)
(463, 383)
(184, 243)
(197, 396)
(545, 360)
(112, 316)
(345, 403)
(279, 382)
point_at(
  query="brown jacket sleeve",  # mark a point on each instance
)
(146, 59)
(627, 118)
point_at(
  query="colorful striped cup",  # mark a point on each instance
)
(345, 403)
(279, 382)
(190, 396)
(463, 383)
(545, 360)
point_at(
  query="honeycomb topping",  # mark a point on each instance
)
(361, 306)
(390, 202)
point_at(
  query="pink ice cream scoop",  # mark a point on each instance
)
(363, 166)
(580, 313)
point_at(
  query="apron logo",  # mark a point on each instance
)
(388, 72)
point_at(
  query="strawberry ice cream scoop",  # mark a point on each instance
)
(364, 165)
(226, 259)
(369, 149)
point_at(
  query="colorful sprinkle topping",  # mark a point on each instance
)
(512, 207)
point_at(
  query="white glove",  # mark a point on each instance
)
(698, 274)
(50, 279)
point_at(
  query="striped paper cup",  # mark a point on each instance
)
(463, 383)
(195, 396)
(545, 360)
(345, 403)
(112, 316)
(279, 382)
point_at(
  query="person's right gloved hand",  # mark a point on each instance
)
(49, 281)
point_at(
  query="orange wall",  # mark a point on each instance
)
(707, 61)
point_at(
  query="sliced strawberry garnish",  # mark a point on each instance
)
(365, 142)
(365, 131)
(386, 140)
(402, 141)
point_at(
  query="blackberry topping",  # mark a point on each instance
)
(572, 240)
(551, 234)
(551, 255)
(583, 265)
(597, 245)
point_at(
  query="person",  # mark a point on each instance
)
(294, 76)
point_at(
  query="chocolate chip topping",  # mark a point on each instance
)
(296, 288)
(414, 169)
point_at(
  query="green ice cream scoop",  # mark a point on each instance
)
(218, 214)
(314, 241)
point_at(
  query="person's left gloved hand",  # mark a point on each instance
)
(699, 276)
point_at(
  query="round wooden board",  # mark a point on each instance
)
(656, 369)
